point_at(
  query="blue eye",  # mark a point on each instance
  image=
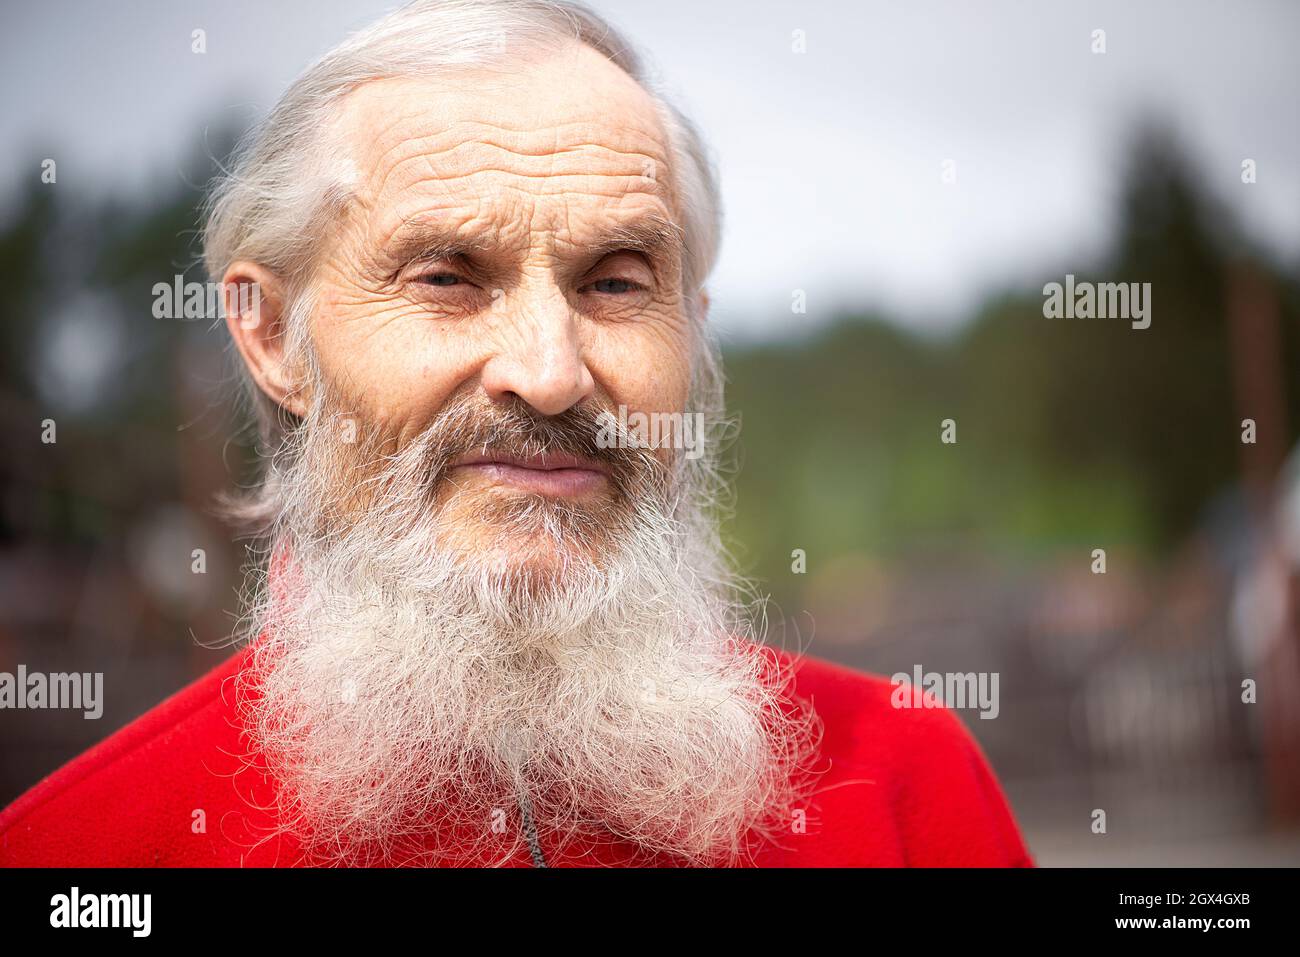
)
(440, 279)
(619, 286)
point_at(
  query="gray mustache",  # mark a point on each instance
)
(513, 429)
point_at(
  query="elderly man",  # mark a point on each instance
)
(483, 632)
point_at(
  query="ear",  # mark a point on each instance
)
(704, 304)
(255, 314)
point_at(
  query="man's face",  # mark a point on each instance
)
(510, 267)
(512, 244)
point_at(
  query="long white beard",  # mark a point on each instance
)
(410, 698)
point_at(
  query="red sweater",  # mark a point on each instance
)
(902, 787)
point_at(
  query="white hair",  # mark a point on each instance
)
(409, 689)
(285, 183)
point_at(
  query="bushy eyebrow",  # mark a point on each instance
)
(654, 235)
(424, 241)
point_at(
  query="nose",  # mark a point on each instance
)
(538, 356)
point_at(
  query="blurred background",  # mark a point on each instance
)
(914, 176)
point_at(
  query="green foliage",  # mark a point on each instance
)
(1070, 432)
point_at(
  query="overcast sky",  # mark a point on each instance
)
(831, 160)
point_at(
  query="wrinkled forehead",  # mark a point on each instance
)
(558, 130)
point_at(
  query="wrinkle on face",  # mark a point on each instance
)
(531, 179)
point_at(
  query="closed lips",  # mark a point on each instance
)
(558, 475)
